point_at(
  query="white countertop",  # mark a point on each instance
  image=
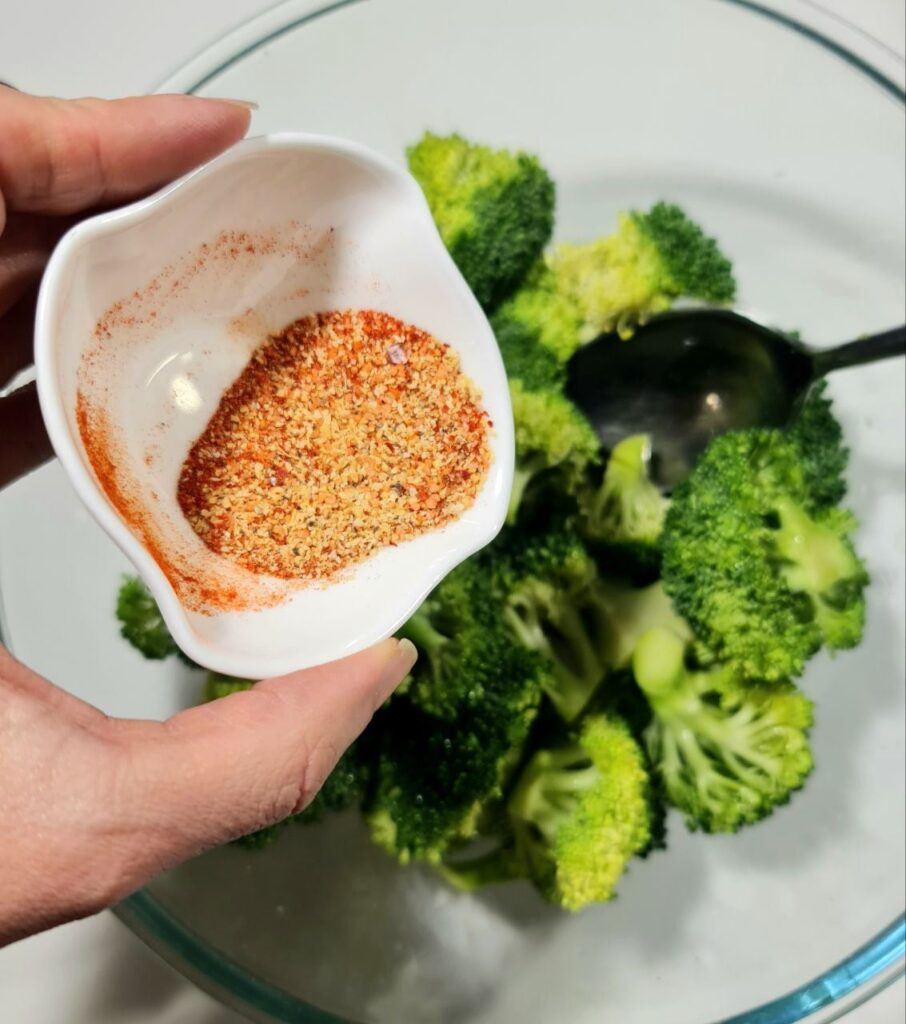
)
(97, 972)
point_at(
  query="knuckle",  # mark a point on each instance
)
(318, 762)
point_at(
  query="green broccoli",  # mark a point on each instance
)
(628, 613)
(217, 686)
(468, 870)
(762, 569)
(142, 624)
(538, 329)
(551, 601)
(728, 751)
(581, 811)
(551, 435)
(621, 281)
(626, 511)
(467, 659)
(434, 777)
(494, 210)
(459, 647)
(446, 746)
(819, 437)
(615, 283)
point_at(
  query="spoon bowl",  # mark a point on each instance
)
(149, 313)
(689, 375)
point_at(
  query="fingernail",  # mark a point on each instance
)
(245, 104)
(402, 656)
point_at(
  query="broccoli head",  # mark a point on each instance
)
(467, 659)
(458, 644)
(142, 624)
(434, 776)
(621, 281)
(551, 600)
(819, 437)
(727, 751)
(626, 511)
(551, 435)
(494, 210)
(579, 813)
(445, 747)
(763, 571)
(538, 329)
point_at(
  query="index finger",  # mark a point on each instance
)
(63, 156)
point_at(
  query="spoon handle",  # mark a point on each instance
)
(866, 350)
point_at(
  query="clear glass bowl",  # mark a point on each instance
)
(789, 145)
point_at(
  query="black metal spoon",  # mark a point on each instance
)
(692, 374)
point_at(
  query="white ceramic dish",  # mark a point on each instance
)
(150, 312)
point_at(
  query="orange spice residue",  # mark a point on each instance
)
(346, 433)
(204, 594)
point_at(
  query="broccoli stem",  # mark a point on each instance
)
(430, 641)
(658, 663)
(557, 631)
(579, 682)
(491, 868)
(817, 558)
(523, 474)
(546, 793)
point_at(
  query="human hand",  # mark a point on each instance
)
(93, 807)
(61, 159)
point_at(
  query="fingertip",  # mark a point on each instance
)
(376, 672)
(226, 118)
(399, 659)
(409, 652)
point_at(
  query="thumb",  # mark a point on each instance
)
(224, 769)
(62, 156)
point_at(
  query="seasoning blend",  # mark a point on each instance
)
(346, 433)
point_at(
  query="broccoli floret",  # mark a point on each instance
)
(467, 659)
(434, 777)
(494, 210)
(142, 624)
(763, 573)
(551, 434)
(818, 560)
(626, 511)
(261, 839)
(459, 641)
(217, 686)
(538, 329)
(818, 435)
(728, 751)
(621, 281)
(581, 811)
(551, 600)
(447, 745)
